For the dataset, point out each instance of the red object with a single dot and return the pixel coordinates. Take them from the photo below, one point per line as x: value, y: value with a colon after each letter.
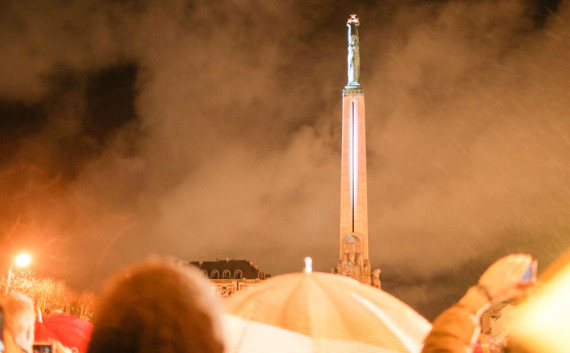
x: 71, y: 331
x: 489, y: 344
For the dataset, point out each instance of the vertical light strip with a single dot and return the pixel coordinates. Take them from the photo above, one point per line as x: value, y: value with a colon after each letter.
x: 356, y: 156
x: 353, y: 159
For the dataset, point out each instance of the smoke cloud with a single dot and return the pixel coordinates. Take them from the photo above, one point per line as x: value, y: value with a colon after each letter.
x: 200, y: 129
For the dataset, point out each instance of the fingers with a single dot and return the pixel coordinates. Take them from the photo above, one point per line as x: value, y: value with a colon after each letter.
x: 502, y: 277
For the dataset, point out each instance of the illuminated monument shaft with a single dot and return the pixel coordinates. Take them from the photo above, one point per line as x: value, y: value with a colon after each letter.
x: 353, y: 257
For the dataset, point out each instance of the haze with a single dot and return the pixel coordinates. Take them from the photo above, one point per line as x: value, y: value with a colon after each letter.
x: 212, y: 129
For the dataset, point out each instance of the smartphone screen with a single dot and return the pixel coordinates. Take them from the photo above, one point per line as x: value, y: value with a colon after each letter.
x: 43, y: 348
x: 530, y: 274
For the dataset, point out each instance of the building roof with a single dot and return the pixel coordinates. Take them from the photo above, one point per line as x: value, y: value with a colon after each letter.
x: 248, y: 269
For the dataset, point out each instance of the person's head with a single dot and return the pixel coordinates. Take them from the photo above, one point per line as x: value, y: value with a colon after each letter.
x: 157, y: 306
x: 18, y: 322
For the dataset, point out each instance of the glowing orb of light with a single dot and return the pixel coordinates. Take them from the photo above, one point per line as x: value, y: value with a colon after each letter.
x: 23, y: 260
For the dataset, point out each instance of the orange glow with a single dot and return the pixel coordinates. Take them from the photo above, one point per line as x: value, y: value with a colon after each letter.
x: 545, y: 317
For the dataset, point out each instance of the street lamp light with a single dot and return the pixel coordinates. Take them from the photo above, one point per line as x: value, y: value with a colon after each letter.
x: 22, y: 260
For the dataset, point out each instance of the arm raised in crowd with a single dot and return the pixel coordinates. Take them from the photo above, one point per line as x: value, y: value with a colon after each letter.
x: 457, y: 328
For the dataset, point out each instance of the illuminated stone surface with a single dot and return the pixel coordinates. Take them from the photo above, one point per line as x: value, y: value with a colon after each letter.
x: 353, y: 257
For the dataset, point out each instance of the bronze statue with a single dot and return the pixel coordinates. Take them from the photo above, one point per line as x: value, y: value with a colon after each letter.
x: 353, y: 51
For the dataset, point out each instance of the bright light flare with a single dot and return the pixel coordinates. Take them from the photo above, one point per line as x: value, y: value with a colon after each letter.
x: 23, y: 260
x: 544, y: 317
x: 308, y: 264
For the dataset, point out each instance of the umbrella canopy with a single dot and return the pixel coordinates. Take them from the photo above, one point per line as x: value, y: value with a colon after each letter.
x: 71, y: 331
x: 321, y: 312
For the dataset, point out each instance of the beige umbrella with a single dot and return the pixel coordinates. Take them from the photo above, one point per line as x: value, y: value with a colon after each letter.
x: 321, y: 312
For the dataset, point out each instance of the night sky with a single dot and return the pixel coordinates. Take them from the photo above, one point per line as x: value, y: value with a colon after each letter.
x: 212, y: 129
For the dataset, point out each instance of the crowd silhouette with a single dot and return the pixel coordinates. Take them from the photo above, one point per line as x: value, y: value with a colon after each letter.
x: 159, y: 306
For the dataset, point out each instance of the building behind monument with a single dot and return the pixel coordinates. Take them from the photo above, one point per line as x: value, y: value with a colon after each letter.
x: 229, y: 276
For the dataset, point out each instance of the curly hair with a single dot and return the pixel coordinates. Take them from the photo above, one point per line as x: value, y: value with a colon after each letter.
x: 157, y: 306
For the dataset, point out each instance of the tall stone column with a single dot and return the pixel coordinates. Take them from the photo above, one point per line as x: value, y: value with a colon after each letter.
x: 353, y: 258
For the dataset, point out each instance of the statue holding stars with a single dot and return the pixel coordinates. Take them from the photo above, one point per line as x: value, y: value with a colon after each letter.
x: 353, y: 52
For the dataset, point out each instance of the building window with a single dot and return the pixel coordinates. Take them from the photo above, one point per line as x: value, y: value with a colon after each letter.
x: 205, y: 273
x: 261, y: 275
x: 238, y: 274
x: 227, y: 274
x: 215, y: 274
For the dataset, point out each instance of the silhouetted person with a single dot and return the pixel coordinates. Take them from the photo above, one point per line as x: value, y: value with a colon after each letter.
x: 157, y: 307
